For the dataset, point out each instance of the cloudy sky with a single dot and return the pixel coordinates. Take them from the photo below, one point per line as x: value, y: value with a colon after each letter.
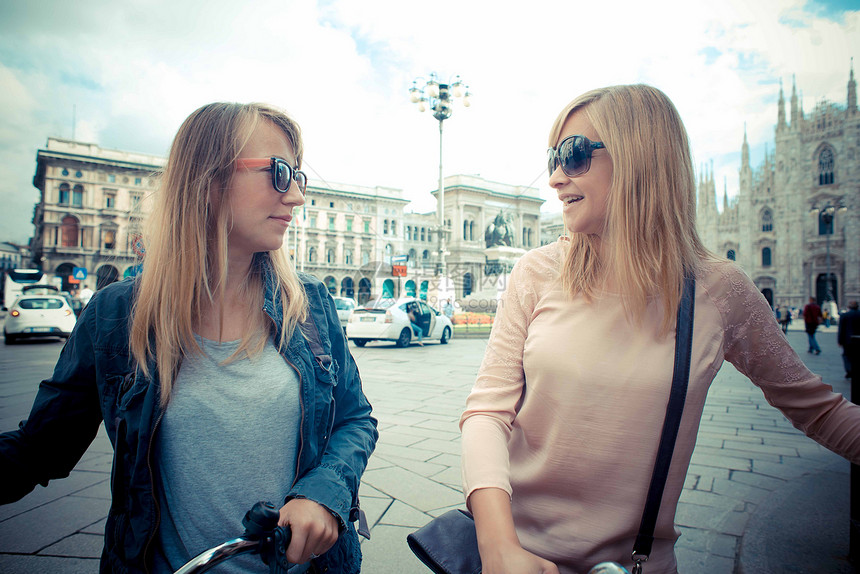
x: 130, y: 72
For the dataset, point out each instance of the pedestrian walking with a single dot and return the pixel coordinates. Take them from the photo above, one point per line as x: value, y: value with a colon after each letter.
x: 849, y: 327
x: 785, y: 319
x: 209, y: 370
x: 812, y: 318
x: 561, y: 429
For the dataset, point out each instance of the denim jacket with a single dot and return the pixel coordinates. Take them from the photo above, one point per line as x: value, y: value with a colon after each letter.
x: 95, y: 380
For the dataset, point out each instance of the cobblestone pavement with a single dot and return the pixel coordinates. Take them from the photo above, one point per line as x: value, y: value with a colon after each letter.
x: 750, y: 470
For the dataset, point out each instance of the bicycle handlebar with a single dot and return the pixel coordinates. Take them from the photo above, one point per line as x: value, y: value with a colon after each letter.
x: 262, y: 536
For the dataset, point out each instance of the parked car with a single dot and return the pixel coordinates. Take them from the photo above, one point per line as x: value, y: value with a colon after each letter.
x: 386, y: 320
x: 344, y: 306
x: 39, y: 316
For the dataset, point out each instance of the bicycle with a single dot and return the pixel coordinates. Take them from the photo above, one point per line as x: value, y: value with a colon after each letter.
x: 262, y: 536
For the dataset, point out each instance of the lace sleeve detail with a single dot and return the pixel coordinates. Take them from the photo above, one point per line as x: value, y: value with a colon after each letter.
x: 492, y: 405
x: 756, y: 346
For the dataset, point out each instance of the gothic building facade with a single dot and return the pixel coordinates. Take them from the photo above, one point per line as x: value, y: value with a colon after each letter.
x: 794, y: 226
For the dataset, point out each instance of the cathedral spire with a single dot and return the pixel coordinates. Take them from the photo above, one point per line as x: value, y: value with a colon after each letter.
x: 725, y: 194
x: 852, y: 91
x: 780, y: 124
x: 745, y: 151
x: 793, y: 103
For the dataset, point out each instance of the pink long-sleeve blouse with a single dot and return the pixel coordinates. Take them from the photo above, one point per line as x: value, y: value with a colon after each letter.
x: 568, y: 406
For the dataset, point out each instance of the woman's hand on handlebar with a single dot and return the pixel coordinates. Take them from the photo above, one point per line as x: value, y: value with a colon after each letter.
x: 314, y: 529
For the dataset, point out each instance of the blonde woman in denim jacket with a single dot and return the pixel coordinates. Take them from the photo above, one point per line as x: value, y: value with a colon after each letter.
x: 209, y: 391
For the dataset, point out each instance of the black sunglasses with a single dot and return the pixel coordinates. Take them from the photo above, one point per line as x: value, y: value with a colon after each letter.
x: 282, y: 172
x: 574, y: 155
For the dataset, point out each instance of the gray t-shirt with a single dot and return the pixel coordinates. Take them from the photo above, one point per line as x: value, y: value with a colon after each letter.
x: 228, y: 439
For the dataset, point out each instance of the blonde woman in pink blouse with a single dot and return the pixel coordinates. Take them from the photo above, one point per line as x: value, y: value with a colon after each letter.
x: 562, y: 426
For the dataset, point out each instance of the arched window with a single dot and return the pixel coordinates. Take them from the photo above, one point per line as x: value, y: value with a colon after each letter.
x: 388, y: 289
x: 347, y: 256
x: 63, y: 199
x: 425, y: 255
x: 363, y: 290
x: 329, y: 256
x: 467, y: 284
x: 346, y: 287
x: 109, y: 238
x: 471, y: 231
x: 78, y: 196
x: 331, y: 285
x: 422, y: 234
x: 825, y: 166
x: 765, y: 257
x: 312, y: 254
x: 825, y: 223
x: 412, y: 256
x: 408, y: 233
x: 465, y: 230
x: 730, y: 255
x: 385, y: 227
x: 767, y: 220
x: 394, y: 227
x: 70, y: 232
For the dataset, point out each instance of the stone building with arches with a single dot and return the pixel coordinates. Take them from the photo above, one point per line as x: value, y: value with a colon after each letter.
x: 471, y: 204
x: 93, y: 202
x: 350, y: 236
x: 346, y: 235
x: 91, y: 207
x: 775, y: 228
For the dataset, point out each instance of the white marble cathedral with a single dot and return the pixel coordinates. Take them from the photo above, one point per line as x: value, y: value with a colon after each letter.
x: 779, y: 228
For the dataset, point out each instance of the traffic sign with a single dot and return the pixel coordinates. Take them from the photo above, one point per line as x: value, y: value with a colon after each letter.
x: 399, y: 258
x: 79, y: 273
x: 398, y: 270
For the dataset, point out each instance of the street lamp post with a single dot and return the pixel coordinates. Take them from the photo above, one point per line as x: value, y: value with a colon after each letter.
x: 827, y: 213
x: 440, y: 98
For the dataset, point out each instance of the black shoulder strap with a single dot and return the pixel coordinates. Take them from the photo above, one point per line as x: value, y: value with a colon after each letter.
x: 674, y: 410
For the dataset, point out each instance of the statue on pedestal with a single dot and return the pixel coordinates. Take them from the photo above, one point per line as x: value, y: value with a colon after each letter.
x: 499, y: 232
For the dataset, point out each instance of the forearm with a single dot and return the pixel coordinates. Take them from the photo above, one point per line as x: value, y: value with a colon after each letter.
x: 494, y: 521
x: 498, y: 544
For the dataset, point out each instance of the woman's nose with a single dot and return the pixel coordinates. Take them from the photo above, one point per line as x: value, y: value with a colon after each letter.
x: 293, y: 195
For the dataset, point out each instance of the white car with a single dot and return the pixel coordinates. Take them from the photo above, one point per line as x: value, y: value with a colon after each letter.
x: 39, y: 316
x: 386, y: 320
x: 344, y: 306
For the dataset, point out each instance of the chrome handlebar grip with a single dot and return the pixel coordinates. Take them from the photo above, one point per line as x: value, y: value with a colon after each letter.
x: 212, y: 557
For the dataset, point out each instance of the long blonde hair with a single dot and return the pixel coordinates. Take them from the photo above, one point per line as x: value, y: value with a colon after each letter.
x: 185, y: 237
x: 650, y: 236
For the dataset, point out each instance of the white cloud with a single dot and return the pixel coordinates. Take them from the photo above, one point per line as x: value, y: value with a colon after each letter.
x: 343, y: 68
